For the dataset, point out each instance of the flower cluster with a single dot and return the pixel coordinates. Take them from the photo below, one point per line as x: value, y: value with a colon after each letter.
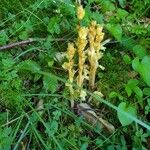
x: 88, y: 46
x: 81, y: 44
x: 94, y: 54
x: 69, y: 66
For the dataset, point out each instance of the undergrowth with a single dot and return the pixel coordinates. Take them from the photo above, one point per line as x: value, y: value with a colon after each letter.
x: 35, y: 110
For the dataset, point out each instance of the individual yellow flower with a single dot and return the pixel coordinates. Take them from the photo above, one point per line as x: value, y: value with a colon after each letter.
x: 80, y: 12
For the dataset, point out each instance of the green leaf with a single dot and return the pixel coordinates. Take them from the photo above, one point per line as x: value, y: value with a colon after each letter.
x: 136, y: 64
x: 3, y: 37
x: 121, y: 13
x: 98, y: 17
x: 148, y: 101
x: 23, y: 35
x: 132, y: 83
x: 122, y: 3
x: 139, y: 51
x: 107, y: 5
x: 131, y: 86
x: 113, y: 95
x: 146, y: 91
x: 128, y: 90
x: 143, y: 68
x: 50, y: 83
x: 53, y: 26
x: 127, y: 59
x: 115, y: 30
x: 124, y: 120
x: 138, y: 91
x: 29, y: 65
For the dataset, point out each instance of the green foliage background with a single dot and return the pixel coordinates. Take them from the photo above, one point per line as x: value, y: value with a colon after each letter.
x: 33, y: 73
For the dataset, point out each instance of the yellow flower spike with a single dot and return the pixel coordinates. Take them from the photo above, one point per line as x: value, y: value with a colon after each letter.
x: 81, y: 43
x: 69, y: 66
x: 95, y: 37
x: 80, y: 12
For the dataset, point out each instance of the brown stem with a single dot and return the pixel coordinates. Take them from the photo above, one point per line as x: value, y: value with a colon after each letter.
x: 21, y: 43
x: 25, y: 42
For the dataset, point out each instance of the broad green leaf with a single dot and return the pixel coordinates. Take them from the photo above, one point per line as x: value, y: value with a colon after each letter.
x: 136, y: 64
x: 139, y: 51
x: 124, y: 120
x: 128, y: 90
x: 29, y: 65
x: 143, y: 68
x: 138, y: 91
x: 131, y: 86
x: 146, y: 91
x: 133, y: 82
x: 145, y: 72
x: 115, y: 30
x: 50, y: 83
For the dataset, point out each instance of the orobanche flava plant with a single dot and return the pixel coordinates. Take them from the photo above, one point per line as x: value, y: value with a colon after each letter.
x: 89, y: 50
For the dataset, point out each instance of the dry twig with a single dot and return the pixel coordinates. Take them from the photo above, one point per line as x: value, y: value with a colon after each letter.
x: 26, y: 42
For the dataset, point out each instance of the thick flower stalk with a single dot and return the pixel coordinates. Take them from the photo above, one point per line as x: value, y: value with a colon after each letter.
x: 69, y: 66
x: 95, y: 37
x: 81, y: 44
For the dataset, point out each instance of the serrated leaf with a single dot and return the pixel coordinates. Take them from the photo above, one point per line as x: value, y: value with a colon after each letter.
x: 50, y: 83
x: 124, y: 119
